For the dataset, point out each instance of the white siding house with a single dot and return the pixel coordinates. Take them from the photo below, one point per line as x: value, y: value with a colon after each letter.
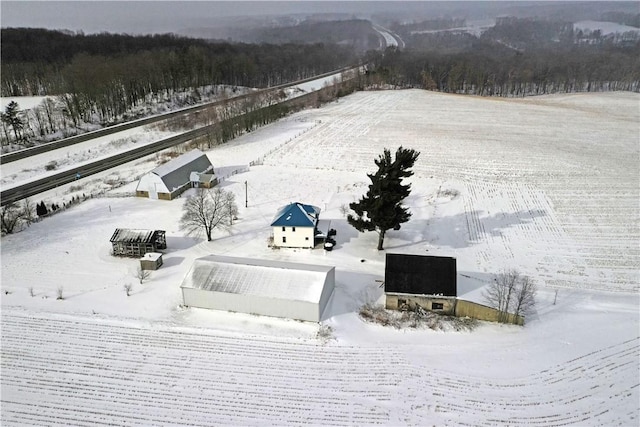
x: 268, y: 288
x: 169, y: 180
x: 297, y: 225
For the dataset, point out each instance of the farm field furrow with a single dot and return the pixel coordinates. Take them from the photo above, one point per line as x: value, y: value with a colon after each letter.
x: 327, y: 385
x: 565, y: 196
x: 545, y: 185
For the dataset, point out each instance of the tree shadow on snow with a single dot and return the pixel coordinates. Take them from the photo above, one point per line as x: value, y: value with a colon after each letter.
x: 178, y: 243
x: 459, y: 231
x: 344, y: 232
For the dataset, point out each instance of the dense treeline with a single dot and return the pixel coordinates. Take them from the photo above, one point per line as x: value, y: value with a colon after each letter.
x: 517, y: 57
x: 429, y: 25
x: 631, y: 19
x: 54, y: 47
x: 517, y: 74
x: 106, y: 74
x: 236, y: 116
x: 530, y: 33
x: 357, y: 34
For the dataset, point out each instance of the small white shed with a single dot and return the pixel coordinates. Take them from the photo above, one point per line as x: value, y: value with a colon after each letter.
x: 151, y: 261
x: 268, y: 288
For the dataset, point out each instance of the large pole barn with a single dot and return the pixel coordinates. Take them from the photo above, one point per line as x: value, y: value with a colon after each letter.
x: 263, y: 287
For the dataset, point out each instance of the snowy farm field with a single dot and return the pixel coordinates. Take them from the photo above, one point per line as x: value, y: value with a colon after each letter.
x: 548, y: 185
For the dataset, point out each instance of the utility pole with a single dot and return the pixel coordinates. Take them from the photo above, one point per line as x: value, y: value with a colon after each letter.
x: 246, y: 195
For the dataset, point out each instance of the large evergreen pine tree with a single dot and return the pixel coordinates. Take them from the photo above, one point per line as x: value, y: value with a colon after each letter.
x: 12, y: 118
x: 381, y: 208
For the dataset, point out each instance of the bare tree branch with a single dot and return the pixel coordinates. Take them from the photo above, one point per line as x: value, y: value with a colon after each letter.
x: 511, y: 294
x: 142, y: 275
x: 207, y: 210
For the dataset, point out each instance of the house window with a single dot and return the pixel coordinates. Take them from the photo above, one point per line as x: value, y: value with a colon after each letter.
x: 293, y: 229
x: 282, y: 228
x: 284, y: 239
x: 437, y: 306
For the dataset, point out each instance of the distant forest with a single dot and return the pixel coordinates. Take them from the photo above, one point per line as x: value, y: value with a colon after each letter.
x: 516, y: 57
x: 102, y: 78
x: 111, y: 73
x: 358, y: 34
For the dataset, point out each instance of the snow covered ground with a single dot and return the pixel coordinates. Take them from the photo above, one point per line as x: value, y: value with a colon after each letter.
x: 548, y: 185
x: 604, y: 27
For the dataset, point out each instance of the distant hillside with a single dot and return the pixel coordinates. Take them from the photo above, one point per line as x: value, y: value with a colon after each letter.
x: 356, y: 33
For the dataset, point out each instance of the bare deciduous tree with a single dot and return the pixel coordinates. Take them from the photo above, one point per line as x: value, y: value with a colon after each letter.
x: 60, y: 292
x: 230, y: 202
x: 141, y: 275
x: 524, y: 297
x: 128, y: 286
x: 10, y: 216
x: 512, y: 294
x: 207, y: 210
x: 28, y: 211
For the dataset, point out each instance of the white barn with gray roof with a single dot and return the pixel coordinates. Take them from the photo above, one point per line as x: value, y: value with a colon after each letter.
x: 170, y: 179
x: 263, y: 287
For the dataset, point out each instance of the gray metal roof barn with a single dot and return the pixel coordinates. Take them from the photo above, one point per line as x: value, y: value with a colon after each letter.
x: 268, y: 288
x: 169, y: 180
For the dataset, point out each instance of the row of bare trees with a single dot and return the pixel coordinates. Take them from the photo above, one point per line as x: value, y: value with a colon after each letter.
x: 510, y: 73
x: 111, y: 78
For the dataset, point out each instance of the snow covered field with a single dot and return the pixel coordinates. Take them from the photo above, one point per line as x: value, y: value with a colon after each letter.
x: 548, y: 185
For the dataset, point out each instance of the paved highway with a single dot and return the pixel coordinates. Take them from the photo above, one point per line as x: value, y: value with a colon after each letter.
x: 38, y: 185
x: 42, y: 148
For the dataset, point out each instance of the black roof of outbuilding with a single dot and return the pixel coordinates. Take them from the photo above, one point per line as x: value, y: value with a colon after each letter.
x: 420, y: 275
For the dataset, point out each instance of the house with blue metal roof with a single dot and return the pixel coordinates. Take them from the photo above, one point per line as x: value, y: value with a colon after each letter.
x: 297, y: 225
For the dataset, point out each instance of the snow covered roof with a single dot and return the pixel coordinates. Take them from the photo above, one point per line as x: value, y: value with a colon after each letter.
x: 176, y: 172
x: 274, y: 279
x: 134, y: 235
x: 296, y: 215
x: 151, y: 256
x: 202, y: 177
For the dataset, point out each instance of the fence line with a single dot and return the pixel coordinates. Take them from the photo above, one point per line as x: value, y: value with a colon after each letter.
x: 260, y: 160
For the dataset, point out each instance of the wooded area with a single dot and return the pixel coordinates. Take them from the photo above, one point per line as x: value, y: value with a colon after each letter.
x: 516, y: 57
x: 103, y: 79
x: 107, y: 74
